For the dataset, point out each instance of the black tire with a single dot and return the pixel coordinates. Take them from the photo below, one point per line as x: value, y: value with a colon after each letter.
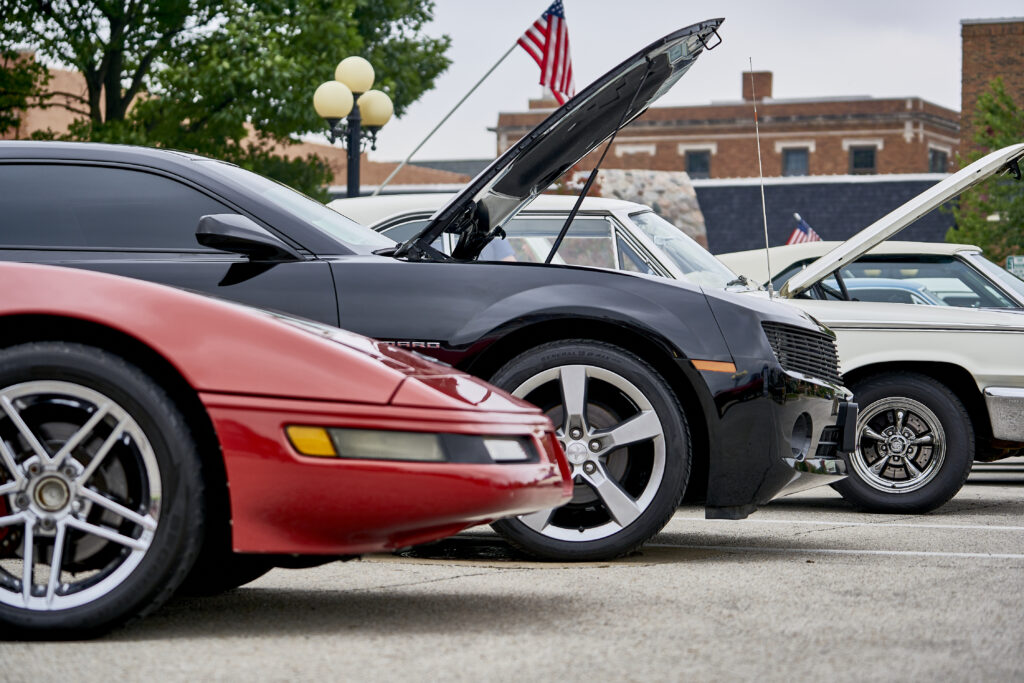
x: 151, y: 470
x: 619, y: 387
x: 918, y: 476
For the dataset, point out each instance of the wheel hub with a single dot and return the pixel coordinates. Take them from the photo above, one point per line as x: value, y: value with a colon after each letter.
x: 576, y: 452
x: 51, y: 493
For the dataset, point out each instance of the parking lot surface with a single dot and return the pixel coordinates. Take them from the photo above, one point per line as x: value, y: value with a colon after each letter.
x: 807, y: 588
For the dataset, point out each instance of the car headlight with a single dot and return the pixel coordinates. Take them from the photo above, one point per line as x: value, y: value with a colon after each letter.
x: 374, y: 444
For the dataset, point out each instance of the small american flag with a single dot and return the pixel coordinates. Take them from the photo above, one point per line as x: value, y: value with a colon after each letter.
x: 547, y: 41
x: 802, y: 232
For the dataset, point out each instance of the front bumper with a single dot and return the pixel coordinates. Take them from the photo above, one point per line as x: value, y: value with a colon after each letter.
x: 286, y: 503
x: 777, y: 433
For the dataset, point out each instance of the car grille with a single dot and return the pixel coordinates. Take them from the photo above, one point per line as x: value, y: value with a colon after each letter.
x: 805, y: 351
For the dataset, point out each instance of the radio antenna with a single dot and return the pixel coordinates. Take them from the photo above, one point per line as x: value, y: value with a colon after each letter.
x: 760, y: 173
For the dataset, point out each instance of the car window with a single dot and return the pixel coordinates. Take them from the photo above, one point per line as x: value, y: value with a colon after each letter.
x: 588, y: 242
x: 1000, y: 275
x: 405, y: 231
x: 695, y: 262
x: 80, y: 207
x: 950, y: 280
x: 353, y: 235
x: 630, y: 260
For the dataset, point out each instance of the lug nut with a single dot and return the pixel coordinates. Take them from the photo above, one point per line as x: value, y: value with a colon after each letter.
x: 69, y: 472
x: 47, y: 523
x: 589, y: 467
x: 76, y: 506
x: 595, y: 445
x: 575, y: 433
x: 34, y: 469
x: 21, y: 500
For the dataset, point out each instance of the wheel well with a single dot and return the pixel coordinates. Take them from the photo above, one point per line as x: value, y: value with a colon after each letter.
x: 959, y: 381
x: 21, y: 329
x: 653, y: 350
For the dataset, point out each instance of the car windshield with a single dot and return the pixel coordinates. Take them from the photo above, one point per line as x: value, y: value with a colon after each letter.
x: 343, y: 229
x: 695, y: 262
x: 1002, y: 277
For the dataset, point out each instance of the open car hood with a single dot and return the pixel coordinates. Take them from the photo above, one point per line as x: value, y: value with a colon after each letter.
x: 1004, y: 161
x: 570, y: 133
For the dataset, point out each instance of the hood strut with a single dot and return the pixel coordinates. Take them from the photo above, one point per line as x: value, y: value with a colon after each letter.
x: 593, y: 173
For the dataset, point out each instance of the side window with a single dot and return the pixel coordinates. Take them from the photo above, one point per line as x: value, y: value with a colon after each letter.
x: 405, y: 231
x: 76, y: 207
x: 950, y: 281
x: 587, y: 243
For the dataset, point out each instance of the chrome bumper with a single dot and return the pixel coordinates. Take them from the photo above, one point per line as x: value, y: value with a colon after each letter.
x: 1006, y: 412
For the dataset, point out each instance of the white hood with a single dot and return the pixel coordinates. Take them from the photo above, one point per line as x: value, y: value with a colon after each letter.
x: 1004, y: 160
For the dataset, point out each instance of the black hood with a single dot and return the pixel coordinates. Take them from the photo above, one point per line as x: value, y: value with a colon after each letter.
x: 570, y: 133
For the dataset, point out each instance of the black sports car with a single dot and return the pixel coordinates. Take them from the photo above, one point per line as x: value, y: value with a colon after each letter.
x: 659, y: 387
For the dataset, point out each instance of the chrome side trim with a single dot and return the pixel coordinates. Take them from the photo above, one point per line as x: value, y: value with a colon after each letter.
x: 1006, y: 411
x: 912, y: 326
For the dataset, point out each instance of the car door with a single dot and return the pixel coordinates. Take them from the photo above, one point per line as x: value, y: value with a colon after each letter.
x: 141, y: 223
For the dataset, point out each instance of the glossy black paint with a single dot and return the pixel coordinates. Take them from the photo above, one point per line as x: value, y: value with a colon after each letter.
x: 474, y: 315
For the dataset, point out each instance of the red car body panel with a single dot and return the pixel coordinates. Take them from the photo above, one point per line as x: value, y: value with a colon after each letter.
x: 256, y: 374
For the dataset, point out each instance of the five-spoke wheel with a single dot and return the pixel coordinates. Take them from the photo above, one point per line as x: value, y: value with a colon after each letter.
x: 625, y: 438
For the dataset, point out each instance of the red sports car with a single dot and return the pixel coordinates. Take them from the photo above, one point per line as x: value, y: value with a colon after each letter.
x: 152, y: 439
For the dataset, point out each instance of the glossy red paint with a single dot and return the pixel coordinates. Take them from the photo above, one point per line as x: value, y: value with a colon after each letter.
x: 256, y: 372
x: 284, y: 502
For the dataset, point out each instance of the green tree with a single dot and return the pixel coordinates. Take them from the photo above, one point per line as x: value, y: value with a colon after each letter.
x: 992, y: 215
x: 232, y: 79
x: 22, y: 80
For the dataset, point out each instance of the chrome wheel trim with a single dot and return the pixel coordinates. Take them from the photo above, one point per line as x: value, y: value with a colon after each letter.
x: 593, y: 465
x: 44, y: 590
x: 912, y: 442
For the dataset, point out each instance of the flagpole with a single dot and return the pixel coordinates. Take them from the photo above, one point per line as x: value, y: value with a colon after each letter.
x: 441, y: 123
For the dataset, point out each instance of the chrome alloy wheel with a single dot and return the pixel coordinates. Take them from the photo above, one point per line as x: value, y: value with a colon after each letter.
x: 901, y: 445
x: 615, y: 445
x: 81, y: 493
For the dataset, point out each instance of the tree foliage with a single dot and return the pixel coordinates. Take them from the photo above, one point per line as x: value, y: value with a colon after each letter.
x: 22, y: 80
x: 992, y: 215
x: 232, y: 79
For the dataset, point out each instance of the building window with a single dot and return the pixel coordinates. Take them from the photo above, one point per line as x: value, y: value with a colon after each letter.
x: 862, y: 160
x: 794, y: 161
x: 938, y: 161
x: 698, y: 163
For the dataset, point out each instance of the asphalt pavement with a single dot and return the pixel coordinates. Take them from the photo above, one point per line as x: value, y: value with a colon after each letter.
x: 805, y: 589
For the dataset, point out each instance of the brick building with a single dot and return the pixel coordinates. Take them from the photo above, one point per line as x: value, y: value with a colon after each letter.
x: 991, y: 48
x: 824, y: 136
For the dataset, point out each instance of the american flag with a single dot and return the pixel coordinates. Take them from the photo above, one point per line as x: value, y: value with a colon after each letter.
x: 547, y: 41
x: 802, y: 232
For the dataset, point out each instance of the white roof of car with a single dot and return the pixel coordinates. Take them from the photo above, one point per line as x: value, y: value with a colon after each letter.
x: 752, y: 263
x: 373, y: 210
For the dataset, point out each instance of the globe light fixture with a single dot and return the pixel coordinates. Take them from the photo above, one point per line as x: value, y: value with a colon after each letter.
x: 353, y: 125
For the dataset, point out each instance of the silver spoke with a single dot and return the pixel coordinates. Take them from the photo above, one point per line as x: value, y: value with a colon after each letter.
x: 97, y: 459
x: 11, y: 520
x: 23, y: 429
x: 900, y: 415
x: 926, y: 439
x: 912, y: 467
x: 118, y: 509
x: 80, y: 435
x: 872, y: 434
x: 620, y: 505
x: 880, y: 465
x: 10, y: 487
x: 8, y: 460
x: 28, y: 561
x: 108, y: 534
x: 538, y: 521
x: 641, y: 427
x: 572, y: 380
x: 58, y: 558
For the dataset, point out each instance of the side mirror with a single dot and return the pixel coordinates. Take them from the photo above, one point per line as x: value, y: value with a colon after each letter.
x: 241, y: 235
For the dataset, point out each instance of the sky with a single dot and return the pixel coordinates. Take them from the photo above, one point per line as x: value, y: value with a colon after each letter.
x: 894, y: 48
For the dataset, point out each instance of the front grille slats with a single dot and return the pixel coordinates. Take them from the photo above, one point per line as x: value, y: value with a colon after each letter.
x: 805, y: 351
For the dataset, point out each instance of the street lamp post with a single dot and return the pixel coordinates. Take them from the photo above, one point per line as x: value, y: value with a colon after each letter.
x: 353, y: 125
